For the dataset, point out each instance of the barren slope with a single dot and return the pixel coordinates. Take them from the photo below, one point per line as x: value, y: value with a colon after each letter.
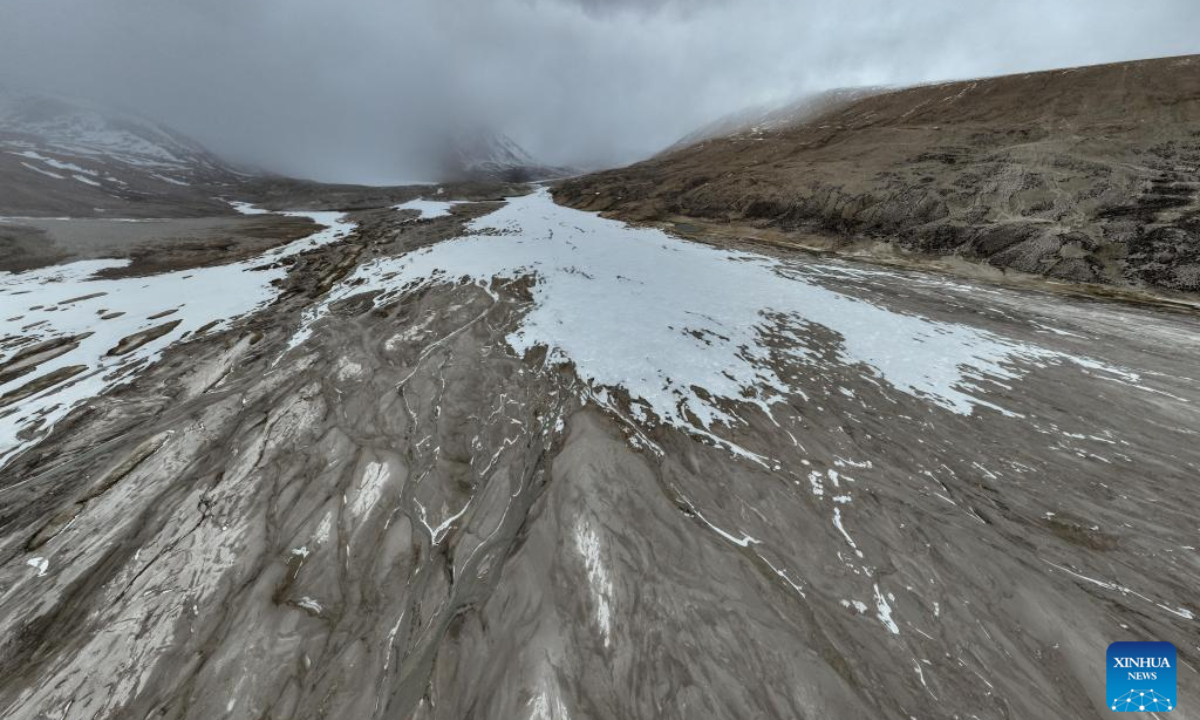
x: 1089, y: 174
x: 517, y: 461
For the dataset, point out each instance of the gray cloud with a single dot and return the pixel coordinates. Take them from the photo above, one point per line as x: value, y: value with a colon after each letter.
x: 355, y: 91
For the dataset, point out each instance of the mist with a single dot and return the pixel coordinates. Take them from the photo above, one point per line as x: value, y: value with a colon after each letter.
x: 365, y: 91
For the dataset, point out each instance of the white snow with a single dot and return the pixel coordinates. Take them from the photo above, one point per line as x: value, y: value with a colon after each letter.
x: 172, y: 181
x: 56, y: 164
x: 883, y: 611
x: 324, y: 529
x: 837, y: 523
x: 336, y: 224
x: 40, y: 564
x: 588, y: 545
x: 48, y: 303
x: 743, y: 541
x: 437, y: 533
x: 547, y: 705
x: 683, y: 327
x: 858, y: 605
x: 37, y: 169
x: 1179, y: 611
x: 814, y: 479
x: 309, y: 604
x: 662, y: 317
x: 246, y: 208
x: 78, y: 128
x: 349, y: 370
x: 428, y: 209
x: 370, y: 488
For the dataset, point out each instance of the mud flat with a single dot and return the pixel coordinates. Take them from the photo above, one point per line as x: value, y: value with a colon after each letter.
x: 516, y: 460
x: 153, y: 245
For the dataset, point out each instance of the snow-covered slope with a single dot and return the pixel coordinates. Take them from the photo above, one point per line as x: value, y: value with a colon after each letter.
x: 63, y: 156
x: 74, y: 322
x: 79, y: 128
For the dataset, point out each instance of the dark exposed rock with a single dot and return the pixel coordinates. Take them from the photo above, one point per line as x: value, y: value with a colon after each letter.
x: 39, y: 384
x: 133, y: 342
x: 27, y: 360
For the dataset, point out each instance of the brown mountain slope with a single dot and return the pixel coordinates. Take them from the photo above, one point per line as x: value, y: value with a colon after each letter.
x: 1089, y: 174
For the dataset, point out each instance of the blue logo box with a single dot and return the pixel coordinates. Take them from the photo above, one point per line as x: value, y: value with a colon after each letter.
x: 1141, y: 677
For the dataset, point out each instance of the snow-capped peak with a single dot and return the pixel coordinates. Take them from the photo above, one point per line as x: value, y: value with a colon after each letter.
x: 71, y: 127
x: 490, y: 155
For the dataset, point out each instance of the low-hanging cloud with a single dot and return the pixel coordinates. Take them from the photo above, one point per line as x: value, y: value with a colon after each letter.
x: 358, y: 91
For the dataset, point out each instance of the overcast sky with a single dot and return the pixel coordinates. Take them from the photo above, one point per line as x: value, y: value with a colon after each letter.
x: 351, y: 89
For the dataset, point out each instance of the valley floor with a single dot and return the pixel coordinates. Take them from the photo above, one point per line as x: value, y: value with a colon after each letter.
x: 514, y: 460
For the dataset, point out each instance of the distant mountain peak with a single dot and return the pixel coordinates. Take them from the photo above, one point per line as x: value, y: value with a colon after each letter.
x: 65, y: 156
x: 489, y: 155
x: 80, y: 128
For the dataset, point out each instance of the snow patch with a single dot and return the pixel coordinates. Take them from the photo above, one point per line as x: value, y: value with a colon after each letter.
x: 370, y: 488
x: 684, y: 327
x: 56, y: 164
x: 246, y: 208
x: 348, y: 370
x: 310, y: 605
x: 547, y: 705
x: 837, y: 522
x: 324, y: 529
x: 428, y: 209
x: 858, y: 605
x: 588, y: 545
x: 883, y: 611
x: 437, y: 533
x: 40, y: 564
x: 67, y: 300
x: 170, y: 180
x: 37, y: 169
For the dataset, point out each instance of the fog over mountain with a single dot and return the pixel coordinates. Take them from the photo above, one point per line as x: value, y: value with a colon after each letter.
x: 370, y: 91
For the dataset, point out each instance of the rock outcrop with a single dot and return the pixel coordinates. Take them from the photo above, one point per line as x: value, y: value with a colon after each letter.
x: 1088, y: 175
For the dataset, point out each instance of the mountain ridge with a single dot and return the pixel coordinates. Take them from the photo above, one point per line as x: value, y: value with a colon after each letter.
x: 771, y: 116
x: 492, y: 156
x: 1088, y: 175
x: 63, y: 156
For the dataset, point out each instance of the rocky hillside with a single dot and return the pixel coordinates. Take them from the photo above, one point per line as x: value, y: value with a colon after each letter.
x: 61, y: 156
x: 1087, y: 174
x: 755, y: 121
